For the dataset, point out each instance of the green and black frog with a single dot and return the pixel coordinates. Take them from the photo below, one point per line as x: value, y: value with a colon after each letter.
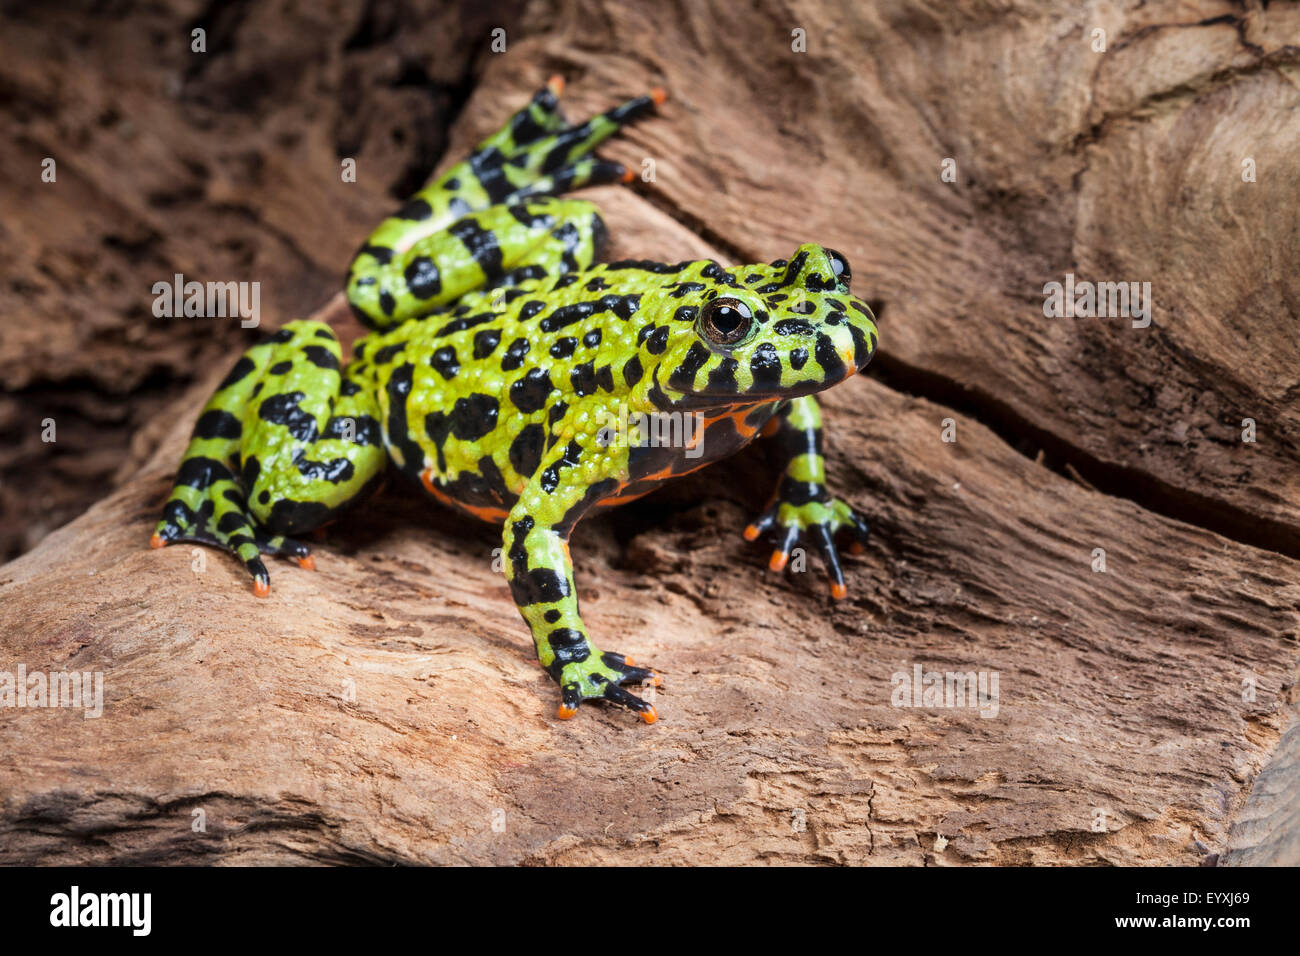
x: 502, y: 351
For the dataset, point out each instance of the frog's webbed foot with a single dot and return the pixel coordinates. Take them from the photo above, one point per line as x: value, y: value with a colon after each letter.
x: 811, y: 517
x: 241, y: 537
x: 598, y: 677
x: 538, y: 153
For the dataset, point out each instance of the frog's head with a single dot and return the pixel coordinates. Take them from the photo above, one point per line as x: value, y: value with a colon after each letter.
x: 753, y: 333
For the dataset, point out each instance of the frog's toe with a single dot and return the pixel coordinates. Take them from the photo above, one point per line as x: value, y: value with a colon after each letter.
x: 288, y: 547
x: 617, y: 695
x: 823, y: 539
x: 261, y: 579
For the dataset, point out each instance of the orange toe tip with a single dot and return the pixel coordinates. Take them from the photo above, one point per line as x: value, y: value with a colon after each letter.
x: 307, y: 562
x: 157, y: 541
x: 629, y: 662
x: 839, y: 591
x: 262, y: 588
x: 856, y: 548
x: 778, y: 560
x: 656, y: 681
x: 566, y: 712
x: 751, y: 533
x: 649, y: 715
x: 628, y: 176
x: 555, y: 84
x: 659, y: 95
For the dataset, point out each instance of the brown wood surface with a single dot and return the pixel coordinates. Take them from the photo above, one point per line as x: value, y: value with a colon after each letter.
x: 1146, y: 712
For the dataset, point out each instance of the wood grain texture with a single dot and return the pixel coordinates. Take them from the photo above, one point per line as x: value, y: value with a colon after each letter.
x: 1145, y: 713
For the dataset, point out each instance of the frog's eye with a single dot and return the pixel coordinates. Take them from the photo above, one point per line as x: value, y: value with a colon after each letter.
x: 725, y: 321
x: 840, y: 266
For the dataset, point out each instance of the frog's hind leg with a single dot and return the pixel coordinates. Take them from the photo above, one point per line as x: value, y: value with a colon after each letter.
x: 456, y: 234
x: 286, y: 441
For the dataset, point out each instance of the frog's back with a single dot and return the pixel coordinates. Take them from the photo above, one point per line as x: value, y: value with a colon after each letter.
x: 473, y: 395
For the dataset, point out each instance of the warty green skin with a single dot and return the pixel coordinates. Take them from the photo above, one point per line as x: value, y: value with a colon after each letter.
x: 501, y: 356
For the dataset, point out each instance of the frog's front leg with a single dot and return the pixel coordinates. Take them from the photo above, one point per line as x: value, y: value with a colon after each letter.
x: 802, y: 508
x: 540, y: 572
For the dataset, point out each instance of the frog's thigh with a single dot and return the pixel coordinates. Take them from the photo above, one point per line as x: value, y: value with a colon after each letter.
x: 310, y: 445
x: 502, y: 244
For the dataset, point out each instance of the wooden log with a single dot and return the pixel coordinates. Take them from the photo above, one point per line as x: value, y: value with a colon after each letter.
x: 388, y: 709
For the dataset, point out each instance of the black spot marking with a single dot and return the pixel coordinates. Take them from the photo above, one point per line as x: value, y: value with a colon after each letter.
x: 231, y: 522
x: 723, y: 378
x: 321, y: 357
x: 765, y: 366
x: 474, y: 416
x: 829, y: 359
x: 217, y: 424
x: 422, y: 278
x: 237, y: 373
x: 583, y: 379
x: 538, y: 586
x: 445, y: 362
x: 550, y: 479
x: 514, y: 356
x: 792, y: 327
x: 381, y: 254
x: 334, y: 471
x: 200, y: 473
x: 567, y: 315
x: 252, y: 468
x: 862, y: 349
x: 657, y: 341
x: 416, y: 210
x: 399, y: 438
x: 570, y: 647
x: 683, y: 376
x: 486, y: 342
x: 460, y: 325
x: 526, y: 449
x: 526, y: 216
x: 529, y: 393
x: 794, y: 268
x: 283, y: 409
x: 563, y: 348
x: 289, y: 517
x: 365, y: 429
x: 482, y: 245
x: 387, y: 353
x: 632, y: 371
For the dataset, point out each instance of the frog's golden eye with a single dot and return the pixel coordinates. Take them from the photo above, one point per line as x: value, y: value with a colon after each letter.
x: 725, y: 321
